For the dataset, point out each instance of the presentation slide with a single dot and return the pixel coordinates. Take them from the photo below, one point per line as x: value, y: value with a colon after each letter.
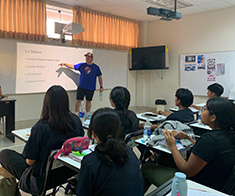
x: 38, y: 67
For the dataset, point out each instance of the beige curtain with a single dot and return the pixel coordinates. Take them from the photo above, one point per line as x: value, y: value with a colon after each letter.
x: 23, y: 19
x: 105, y: 30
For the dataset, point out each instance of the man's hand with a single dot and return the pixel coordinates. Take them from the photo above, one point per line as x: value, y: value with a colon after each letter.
x: 61, y: 64
x: 101, y: 89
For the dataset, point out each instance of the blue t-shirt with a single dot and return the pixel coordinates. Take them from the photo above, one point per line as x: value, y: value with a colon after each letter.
x: 88, y: 75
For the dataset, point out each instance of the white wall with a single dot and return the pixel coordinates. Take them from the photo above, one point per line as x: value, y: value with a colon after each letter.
x: 204, y: 32
x: 29, y: 106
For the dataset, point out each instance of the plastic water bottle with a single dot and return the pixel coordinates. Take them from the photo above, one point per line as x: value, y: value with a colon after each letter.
x: 147, y: 130
x: 179, y: 185
x: 101, y: 96
x: 199, y: 116
x: 82, y: 112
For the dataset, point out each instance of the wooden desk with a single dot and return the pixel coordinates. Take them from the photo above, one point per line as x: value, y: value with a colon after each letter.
x: 7, y: 109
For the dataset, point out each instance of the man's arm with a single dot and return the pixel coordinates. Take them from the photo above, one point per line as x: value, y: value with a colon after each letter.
x: 101, y: 83
x: 67, y: 65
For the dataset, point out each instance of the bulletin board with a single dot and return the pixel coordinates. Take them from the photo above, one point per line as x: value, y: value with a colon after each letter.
x: 197, y: 71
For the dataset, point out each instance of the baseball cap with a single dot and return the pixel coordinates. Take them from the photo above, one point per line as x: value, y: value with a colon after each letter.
x: 89, y: 54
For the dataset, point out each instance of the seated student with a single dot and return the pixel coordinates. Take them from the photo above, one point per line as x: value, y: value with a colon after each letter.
x: 112, y: 169
x: 183, y: 99
x: 213, y: 155
x: 1, y: 95
x: 213, y: 90
x: 120, y: 100
x: 57, y: 124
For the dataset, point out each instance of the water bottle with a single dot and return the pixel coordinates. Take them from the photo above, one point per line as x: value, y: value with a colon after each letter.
x: 179, y: 185
x: 199, y: 116
x: 101, y: 96
x: 82, y: 112
x: 147, y: 130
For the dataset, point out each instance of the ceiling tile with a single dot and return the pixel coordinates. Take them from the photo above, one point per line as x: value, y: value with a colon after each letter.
x: 191, y: 10
x: 232, y: 2
x: 137, y: 9
x: 198, y: 2
x: 215, y: 5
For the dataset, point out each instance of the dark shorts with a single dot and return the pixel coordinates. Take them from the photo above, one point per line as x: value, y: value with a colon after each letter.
x: 84, y: 92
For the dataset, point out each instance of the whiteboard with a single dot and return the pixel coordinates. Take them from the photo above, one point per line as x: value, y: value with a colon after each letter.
x: 197, y: 71
x: 21, y: 75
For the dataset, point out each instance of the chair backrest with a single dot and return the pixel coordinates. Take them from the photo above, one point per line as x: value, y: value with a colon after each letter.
x: 131, y: 137
x: 229, y: 186
x: 51, y: 165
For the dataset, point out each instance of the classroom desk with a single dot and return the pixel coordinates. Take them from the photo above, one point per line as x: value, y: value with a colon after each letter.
x: 71, y: 163
x: 202, y: 190
x: 22, y: 134
x: 180, y: 147
x: 200, y: 126
x: 7, y: 109
x: 153, y: 118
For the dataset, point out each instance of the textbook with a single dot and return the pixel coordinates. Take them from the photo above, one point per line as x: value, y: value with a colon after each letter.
x: 77, y: 156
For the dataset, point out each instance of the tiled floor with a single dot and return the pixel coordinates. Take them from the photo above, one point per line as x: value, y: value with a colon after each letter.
x: 19, y: 145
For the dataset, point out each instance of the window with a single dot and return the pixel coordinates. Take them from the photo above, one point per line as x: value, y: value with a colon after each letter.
x: 57, y: 14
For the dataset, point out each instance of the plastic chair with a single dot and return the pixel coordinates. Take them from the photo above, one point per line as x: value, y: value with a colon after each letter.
x: 229, y: 186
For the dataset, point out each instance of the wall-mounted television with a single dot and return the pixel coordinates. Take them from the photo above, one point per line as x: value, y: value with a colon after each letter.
x: 145, y: 58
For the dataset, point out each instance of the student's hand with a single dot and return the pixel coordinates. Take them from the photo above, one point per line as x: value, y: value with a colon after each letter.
x: 181, y: 135
x: 169, y: 137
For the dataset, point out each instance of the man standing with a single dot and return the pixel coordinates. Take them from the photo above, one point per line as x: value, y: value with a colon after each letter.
x: 89, y: 71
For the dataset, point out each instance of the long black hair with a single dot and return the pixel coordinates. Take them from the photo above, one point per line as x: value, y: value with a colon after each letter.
x: 121, y: 98
x: 106, y: 125
x: 224, y: 111
x: 55, y: 110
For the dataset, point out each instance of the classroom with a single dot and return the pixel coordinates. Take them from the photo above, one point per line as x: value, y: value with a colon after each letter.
x: 206, y: 27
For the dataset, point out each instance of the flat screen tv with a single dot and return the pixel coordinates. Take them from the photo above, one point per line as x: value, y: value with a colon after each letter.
x: 145, y: 58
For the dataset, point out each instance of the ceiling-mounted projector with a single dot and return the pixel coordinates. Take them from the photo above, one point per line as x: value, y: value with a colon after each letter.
x: 68, y: 29
x: 164, y: 13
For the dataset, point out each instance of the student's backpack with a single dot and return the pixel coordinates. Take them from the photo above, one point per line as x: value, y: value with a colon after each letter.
x: 8, y: 187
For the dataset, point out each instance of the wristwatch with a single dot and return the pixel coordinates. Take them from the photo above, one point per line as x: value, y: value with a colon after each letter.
x: 101, y: 86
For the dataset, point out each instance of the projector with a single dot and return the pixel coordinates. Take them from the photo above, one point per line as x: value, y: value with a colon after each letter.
x: 72, y: 28
x: 164, y: 13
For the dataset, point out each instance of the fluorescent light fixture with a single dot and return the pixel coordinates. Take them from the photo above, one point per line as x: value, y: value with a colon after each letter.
x: 170, y: 3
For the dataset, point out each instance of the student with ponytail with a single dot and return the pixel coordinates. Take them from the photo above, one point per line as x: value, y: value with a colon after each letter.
x: 112, y: 169
x: 120, y: 100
